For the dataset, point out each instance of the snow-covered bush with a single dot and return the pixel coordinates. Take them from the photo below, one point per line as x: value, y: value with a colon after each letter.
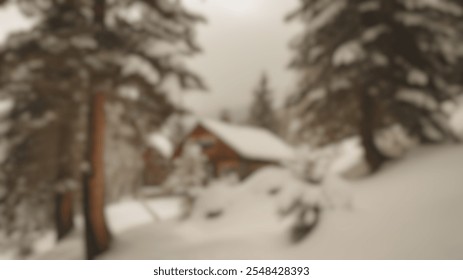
x: 312, y: 164
x: 189, y: 174
x: 270, y: 198
x: 31, y: 213
x: 123, y: 162
x: 394, y: 141
x: 189, y: 170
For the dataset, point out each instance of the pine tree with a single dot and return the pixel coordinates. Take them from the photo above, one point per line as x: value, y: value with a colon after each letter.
x: 189, y: 174
x: 189, y: 170
x: 261, y: 112
x: 366, y: 65
x: 88, y: 53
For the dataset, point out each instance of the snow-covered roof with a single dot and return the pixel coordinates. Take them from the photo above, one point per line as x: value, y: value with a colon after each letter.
x: 250, y: 142
x: 161, y: 143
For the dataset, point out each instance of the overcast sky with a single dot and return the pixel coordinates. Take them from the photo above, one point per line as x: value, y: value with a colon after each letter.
x: 242, y: 39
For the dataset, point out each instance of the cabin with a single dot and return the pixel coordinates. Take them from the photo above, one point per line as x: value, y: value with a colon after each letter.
x: 157, y: 160
x: 237, y: 149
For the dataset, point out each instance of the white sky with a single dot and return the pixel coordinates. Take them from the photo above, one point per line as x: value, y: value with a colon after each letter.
x: 242, y: 39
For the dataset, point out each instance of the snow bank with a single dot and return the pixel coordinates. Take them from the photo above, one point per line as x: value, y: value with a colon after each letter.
x: 410, y: 210
x: 127, y: 214
x: 122, y: 217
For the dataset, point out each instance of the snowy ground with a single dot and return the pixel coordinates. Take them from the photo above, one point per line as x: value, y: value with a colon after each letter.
x: 410, y: 210
x: 122, y: 216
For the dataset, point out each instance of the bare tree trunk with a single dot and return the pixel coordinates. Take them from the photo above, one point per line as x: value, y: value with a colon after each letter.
x: 373, y: 156
x: 97, y: 235
x: 64, y: 214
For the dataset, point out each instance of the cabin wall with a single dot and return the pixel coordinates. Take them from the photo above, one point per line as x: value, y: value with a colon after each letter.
x: 223, y: 159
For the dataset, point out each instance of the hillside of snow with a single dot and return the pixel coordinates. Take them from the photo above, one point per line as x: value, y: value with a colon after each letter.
x: 410, y: 210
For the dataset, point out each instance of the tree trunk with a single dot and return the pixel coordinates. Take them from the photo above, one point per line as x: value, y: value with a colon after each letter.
x: 373, y: 156
x: 67, y: 170
x: 64, y: 214
x: 97, y: 235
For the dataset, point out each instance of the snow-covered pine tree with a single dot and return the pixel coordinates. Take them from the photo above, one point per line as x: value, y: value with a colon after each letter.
x: 189, y: 174
x: 189, y: 170
x: 86, y: 53
x: 368, y: 64
x: 42, y: 159
x: 261, y: 112
x: 175, y: 129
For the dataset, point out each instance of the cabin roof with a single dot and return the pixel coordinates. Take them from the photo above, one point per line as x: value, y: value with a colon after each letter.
x: 250, y: 142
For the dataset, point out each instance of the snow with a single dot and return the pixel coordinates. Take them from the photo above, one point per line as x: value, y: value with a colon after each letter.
x: 410, y: 210
x: 348, y: 53
x: 190, y: 170
x: 456, y: 120
x: 165, y: 208
x: 122, y: 217
x: 417, y: 98
x: 134, y: 65
x: 417, y: 77
x: 84, y: 42
x: 131, y: 213
x: 379, y: 59
x: 440, y: 5
x: 162, y: 144
x: 5, y: 106
x: 275, y: 187
x: 370, y: 6
x: 127, y: 214
x: 313, y: 96
x: 250, y: 142
x: 373, y: 33
x: 13, y: 21
x: 317, y: 21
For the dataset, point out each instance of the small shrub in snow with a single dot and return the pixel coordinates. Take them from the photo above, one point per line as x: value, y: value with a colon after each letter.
x: 308, y: 217
x: 214, y: 214
x: 311, y: 165
x: 274, y: 191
